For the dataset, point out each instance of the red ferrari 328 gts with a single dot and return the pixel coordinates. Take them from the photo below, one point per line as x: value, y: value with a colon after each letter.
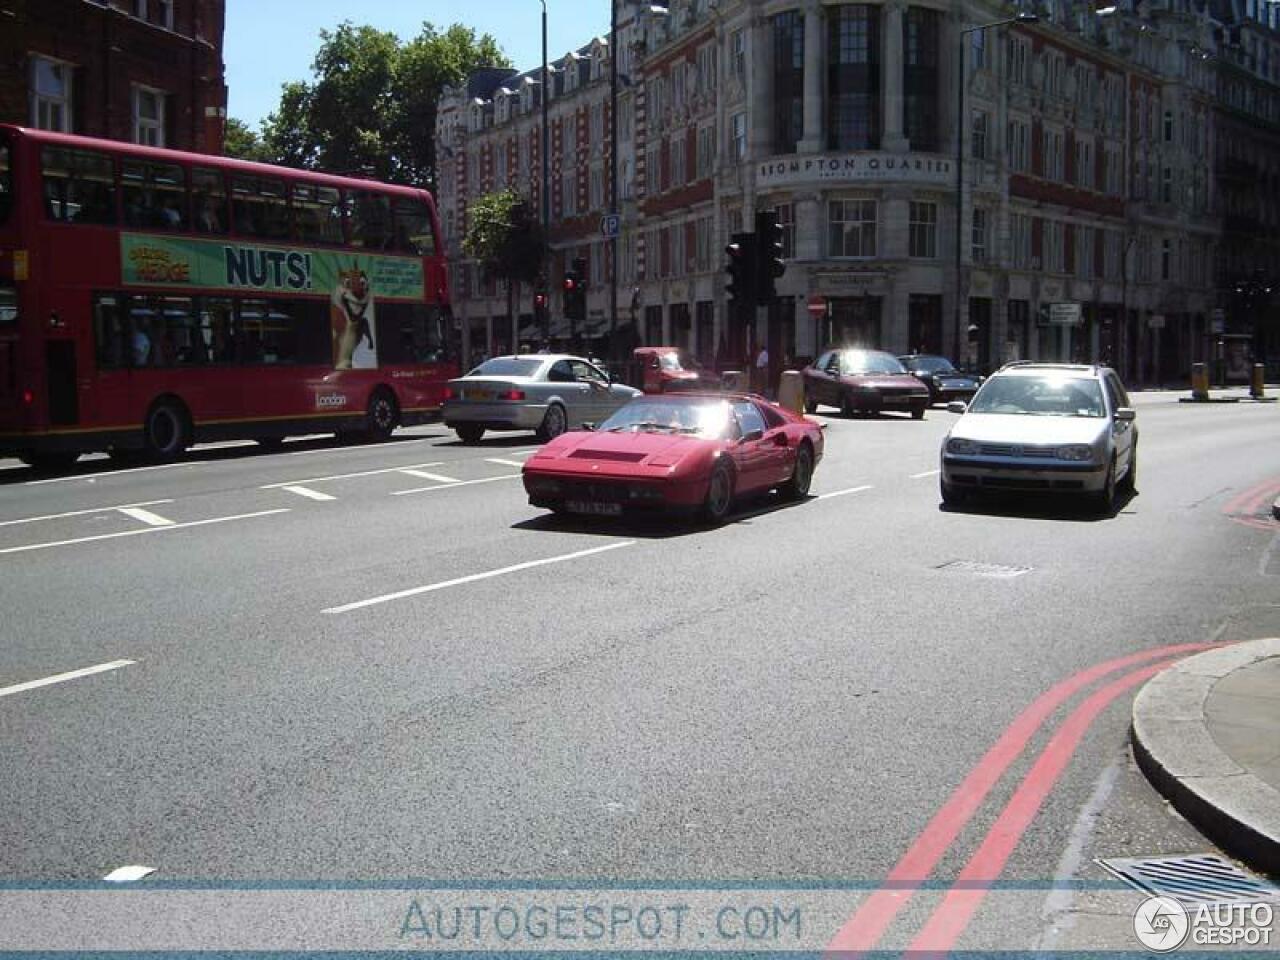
x: 680, y: 452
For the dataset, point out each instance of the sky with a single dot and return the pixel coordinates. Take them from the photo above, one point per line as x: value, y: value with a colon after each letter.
x: 270, y: 42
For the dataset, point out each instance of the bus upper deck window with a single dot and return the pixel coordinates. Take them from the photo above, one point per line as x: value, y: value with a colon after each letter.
x: 79, y: 186
x: 413, y: 233
x: 261, y: 207
x: 208, y: 201
x: 317, y: 214
x: 369, y: 220
x: 154, y: 195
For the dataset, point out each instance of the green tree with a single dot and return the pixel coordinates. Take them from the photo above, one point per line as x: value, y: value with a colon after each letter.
x: 371, y: 105
x: 241, y: 142
x: 505, y: 238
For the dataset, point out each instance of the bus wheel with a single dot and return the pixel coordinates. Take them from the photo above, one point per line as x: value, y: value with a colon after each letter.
x: 49, y: 461
x: 382, y: 416
x: 165, y: 433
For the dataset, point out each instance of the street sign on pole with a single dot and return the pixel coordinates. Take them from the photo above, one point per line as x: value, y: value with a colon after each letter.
x: 818, y: 305
x: 1065, y: 314
x: 610, y: 225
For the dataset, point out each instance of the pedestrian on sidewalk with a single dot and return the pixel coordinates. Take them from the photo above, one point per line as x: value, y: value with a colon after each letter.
x: 762, y: 370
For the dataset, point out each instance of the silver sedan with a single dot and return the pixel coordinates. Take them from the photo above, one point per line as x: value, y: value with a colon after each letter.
x: 546, y: 393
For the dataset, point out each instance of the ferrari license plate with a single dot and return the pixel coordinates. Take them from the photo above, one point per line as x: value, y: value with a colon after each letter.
x: 595, y: 509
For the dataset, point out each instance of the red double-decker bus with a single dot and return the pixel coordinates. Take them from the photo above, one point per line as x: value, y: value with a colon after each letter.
x: 150, y: 299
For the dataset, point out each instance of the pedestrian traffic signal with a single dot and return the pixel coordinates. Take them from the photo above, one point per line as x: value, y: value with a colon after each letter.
x: 769, y: 262
x: 575, y: 291
x: 741, y: 268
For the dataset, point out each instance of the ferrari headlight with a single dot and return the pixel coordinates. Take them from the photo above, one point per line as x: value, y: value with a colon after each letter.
x: 1075, y: 451
x: 962, y: 446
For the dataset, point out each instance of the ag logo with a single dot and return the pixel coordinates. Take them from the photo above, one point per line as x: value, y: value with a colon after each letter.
x: 1161, y: 924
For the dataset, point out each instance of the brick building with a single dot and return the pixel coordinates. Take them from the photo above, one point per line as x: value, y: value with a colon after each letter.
x: 147, y: 71
x: 1094, y: 173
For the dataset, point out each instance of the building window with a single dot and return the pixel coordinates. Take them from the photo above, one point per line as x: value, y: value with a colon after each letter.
x: 1166, y: 260
x: 920, y: 77
x: 1112, y: 254
x: 1020, y: 239
x: 1017, y: 146
x: 1016, y: 55
x: 1084, y: 251
x: 923, y: 240
x: 597, y: 188
x: 148, y: 116
x: 978, y: 50
x: 784, y: 214
x: 569, y: 139
x: 569, y: 194
x: 679, y: 171
x: 50, y: 94
x: 853, y: 78
x: 702, y: 243
x: 1168, y: 126
x: 1084, y: 164
x: 788, y: 81
x: 705, y: 160
x: 738, y: 55
x: 978, y: 137
x: 979, y: 235
x: 1054, y: 247
x: 1166, y: 185
x: 852, y: 228
x: 738, y: 135
x: 1053, y: 160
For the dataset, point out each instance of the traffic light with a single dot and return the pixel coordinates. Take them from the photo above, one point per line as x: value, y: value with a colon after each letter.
x: 769, y: 263
x: 540, y: 312
x: 575, y: 291
x: 741, y: 268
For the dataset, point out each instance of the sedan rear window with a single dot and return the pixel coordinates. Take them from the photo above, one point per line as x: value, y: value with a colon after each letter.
x: 508, y: 367
x: 1040, y: 396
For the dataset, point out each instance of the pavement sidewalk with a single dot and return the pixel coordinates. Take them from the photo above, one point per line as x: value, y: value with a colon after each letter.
x: 1207, y: 734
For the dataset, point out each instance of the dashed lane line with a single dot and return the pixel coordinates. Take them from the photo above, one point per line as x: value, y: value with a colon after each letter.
x: 927, y: 473
x: 504, y: 463
x: 64, y: 677
x: 841, y: 493
x: 488, y: 574
x: 348, y: 476
x: 361, y: 448
x: 451, y: 486
x: 433, y: 477
x: 308, y: 492
x: 146, y: 516
x: 135, y: 533
x: 81, y: 513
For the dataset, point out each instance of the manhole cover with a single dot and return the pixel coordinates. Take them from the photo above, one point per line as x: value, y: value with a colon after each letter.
x: 996, y: 570
x: 1191, y: 880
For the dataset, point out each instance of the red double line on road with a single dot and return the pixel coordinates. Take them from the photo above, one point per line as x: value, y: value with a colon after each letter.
x: 874, y: 916
x: 1247, y: 506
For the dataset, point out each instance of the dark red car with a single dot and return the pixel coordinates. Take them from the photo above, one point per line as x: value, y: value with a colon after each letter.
x: 863, y: 381
x: 666, y: 369
x: 680, y: 452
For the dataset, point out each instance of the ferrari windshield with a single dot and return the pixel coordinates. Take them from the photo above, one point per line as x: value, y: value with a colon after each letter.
x: 703, y: 417
x: 1049, y: 396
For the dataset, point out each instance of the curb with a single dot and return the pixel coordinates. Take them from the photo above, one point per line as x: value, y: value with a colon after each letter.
x: 1174, y: 748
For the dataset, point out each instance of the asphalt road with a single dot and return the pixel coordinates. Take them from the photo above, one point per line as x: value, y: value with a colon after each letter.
x: 791, y: 697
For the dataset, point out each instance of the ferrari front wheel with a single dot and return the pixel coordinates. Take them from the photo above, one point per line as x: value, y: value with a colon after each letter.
x: 797, y: 488
x: 719, y: 494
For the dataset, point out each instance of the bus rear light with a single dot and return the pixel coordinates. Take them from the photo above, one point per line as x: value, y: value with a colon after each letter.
x: 28, y: 398
x: 512, y: 395
x: 449, y: 394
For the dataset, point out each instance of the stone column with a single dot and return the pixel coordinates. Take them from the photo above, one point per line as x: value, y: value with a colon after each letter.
x: 891, y: 102
x: 814, y: 63
x: 760, y: 88
x: 809, y: 229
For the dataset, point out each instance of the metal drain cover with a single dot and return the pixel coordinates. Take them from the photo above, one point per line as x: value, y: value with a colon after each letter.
x: 996, y: 570
x: 1192, y: 880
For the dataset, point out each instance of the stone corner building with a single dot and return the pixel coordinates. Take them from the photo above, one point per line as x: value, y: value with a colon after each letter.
x: 145, y: 71
x: 1127, y: 163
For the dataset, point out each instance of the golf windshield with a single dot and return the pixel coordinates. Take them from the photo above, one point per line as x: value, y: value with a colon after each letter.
x: 702, y: 418
x: 1040, y: 396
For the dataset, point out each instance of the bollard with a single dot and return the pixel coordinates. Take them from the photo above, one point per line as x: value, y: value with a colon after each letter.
x: 791, y: 391
x: 1257, y: 388
x: 1199, y: 381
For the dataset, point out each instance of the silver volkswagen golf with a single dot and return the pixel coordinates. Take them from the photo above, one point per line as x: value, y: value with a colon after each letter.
x: 1042, y: 426
x: 548, y: 393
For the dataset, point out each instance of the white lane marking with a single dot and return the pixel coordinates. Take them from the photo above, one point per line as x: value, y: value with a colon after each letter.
x: 146, y: 516
x: 82, y: 513
x: 108, y: 473
x: 927, y: 473
x: 349, y: 476
x: 515, y: 568
x: 363, y: 446
x: 308, y: 492
x: 525, y: 453
x: 135, y: 533
x: 224, y: 445
x: 450, y: 486
x: 64, y: 677
x: 129, y: 874
x: 841, y: 493
x: 434, y: 477
x: 504, y: 463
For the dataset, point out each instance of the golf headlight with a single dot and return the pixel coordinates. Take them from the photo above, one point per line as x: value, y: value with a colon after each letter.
x: 1075, y: 451
x: 961, y: 446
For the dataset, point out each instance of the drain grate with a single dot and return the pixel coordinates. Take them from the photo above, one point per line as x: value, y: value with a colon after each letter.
x: 996, y: 570
x: 1192, y: 880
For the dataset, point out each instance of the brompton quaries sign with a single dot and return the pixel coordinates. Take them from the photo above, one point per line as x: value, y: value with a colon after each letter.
x: 855, y: 168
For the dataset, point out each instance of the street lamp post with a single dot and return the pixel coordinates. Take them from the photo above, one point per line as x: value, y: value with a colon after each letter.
x: 546, y: 180
x: 960, y: 125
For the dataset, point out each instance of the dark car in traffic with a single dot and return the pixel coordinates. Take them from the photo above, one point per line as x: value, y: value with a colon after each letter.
x: 939, y: 374
x: 863, y: 381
